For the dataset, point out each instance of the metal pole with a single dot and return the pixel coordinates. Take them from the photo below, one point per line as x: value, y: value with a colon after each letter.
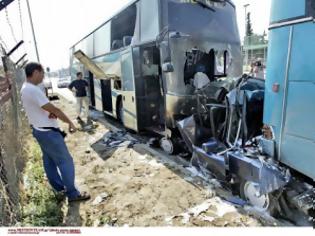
x: 31, y: 21
x: 245, y: 48
x: 245, y: 6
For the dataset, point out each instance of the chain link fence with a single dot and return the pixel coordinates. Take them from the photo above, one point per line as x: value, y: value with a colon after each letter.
x: 12, y: 126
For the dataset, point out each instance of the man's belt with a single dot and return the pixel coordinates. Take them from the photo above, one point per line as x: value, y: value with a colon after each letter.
x: 63, y: 133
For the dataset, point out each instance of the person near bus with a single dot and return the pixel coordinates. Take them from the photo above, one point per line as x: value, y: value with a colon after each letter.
x: 258, y: 69
x: 79, y: 87
x: 42, y: 116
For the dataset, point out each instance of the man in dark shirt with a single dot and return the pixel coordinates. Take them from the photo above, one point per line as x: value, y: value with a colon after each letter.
x: 79, y: 87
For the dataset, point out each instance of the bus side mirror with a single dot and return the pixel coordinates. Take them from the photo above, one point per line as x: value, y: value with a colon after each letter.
x: 167, y: 67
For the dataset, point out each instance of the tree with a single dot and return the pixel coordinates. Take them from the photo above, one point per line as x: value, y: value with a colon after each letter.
x: 249, y: 29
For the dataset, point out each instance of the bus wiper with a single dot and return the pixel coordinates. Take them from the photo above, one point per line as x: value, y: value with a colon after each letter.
x: 204, y: 5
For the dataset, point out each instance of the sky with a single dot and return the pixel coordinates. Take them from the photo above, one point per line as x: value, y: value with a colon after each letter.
x: 59, y: 24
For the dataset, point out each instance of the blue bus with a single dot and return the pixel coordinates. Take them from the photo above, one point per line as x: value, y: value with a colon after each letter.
x: 264, y: 145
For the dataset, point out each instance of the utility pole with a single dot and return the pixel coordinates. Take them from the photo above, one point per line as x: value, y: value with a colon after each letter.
x: 31, y: 21
x: 245, y: 7
x: 244, y: 48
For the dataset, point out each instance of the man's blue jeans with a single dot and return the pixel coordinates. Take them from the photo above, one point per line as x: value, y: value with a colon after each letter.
x: 57, y: 157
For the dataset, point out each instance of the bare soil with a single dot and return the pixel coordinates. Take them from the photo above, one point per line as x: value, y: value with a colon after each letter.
x: 135, y: 186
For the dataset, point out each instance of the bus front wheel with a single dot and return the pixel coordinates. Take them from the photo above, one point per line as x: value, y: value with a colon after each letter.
x: 168, y: 145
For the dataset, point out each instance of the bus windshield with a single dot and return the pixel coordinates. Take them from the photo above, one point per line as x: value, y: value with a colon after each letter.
x: 205, y: 3
x: 188, y: 16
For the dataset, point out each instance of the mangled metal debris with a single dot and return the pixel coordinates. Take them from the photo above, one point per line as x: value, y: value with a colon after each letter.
x: 209, y: 210
x: 226, y: 139
x: 118, y: 139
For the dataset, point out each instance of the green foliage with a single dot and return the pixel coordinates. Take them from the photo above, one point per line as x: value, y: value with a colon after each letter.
x: 40, y: 206
x: 105, y: 220
x: 249, y: 28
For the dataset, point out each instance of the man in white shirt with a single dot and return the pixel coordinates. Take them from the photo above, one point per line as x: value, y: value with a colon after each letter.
x: 58, y: 162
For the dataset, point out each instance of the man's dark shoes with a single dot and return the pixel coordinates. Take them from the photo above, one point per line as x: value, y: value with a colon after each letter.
x: 82, y: 197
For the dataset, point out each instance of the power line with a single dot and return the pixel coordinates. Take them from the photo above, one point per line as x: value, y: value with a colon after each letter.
x: 3, y: 5
x: 10, y: 25
x: 21, y: 19
x: 12, y: 30
x: 21, y: 22
x: 32, y: 26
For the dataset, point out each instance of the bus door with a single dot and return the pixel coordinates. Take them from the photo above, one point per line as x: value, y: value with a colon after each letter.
x: 98, y: 95
x: 101, y: 83
x: 92, y: 90
x: 130, y: 119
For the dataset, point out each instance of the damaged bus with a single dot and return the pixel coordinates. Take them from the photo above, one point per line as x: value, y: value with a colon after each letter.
x: 147, y: 63
x: 260, y: 140
x: 174, y: 67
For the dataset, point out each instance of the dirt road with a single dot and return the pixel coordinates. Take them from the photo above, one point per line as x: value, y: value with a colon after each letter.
x: 133, y: 185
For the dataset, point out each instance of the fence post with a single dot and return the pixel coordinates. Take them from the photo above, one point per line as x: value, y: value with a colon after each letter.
x: 2, y: 216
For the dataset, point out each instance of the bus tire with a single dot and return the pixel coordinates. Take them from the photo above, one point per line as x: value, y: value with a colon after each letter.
x: 169, y: 146
x: 265, y: 203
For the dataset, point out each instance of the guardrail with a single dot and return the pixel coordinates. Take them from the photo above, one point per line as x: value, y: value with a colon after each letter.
x: 5, y: 90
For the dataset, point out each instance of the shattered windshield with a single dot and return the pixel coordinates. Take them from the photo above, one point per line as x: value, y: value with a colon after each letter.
x: 188, y: 17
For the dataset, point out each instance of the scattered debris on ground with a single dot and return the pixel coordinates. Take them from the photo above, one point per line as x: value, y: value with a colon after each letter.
x: 118, y: 139
x: 132, y: 184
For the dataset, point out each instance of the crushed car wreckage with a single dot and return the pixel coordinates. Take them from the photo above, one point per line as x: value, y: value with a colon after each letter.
x: 227, y: 139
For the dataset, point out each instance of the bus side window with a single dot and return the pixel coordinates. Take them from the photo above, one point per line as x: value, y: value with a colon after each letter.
x: 117, y: 44
x: 127, y: 40
x: 123, y: 27
x: 310, y: 5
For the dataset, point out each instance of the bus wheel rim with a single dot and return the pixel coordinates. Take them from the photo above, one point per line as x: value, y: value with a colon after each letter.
x: 261, y: 202
x: 167, y: 145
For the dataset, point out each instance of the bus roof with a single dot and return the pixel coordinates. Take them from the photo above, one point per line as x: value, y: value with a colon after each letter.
x: 109, y: 19
x: 117, y: 13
